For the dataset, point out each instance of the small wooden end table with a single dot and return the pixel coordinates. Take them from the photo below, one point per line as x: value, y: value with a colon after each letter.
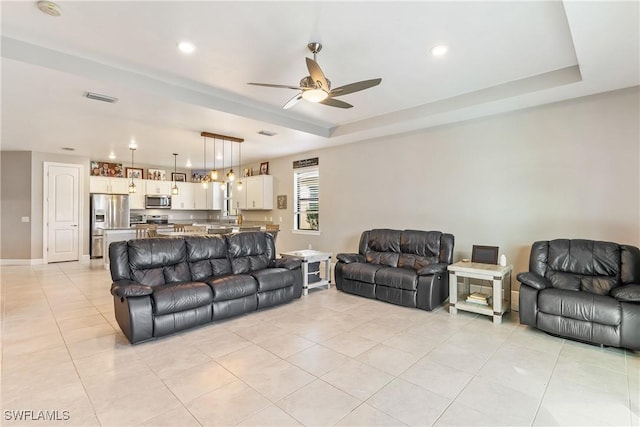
x: 499, y: 276
x: 310, y: 256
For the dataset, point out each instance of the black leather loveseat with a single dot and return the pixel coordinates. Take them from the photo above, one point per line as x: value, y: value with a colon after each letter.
x: 164, y: 285
x: 404, y: 267
x: 583, y: 290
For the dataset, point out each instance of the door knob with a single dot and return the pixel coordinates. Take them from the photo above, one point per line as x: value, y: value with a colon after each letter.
x: 74, y: 225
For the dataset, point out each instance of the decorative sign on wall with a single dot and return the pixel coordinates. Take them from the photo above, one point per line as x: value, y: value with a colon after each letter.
x: 305, y: 163
x: 282, y: 201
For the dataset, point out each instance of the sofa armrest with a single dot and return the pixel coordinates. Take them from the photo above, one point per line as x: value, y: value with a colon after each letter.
x: 288, y: 263
x: 439, y: 267
x: 127, y: 288
x: 534, y: 280
x: 628, y: 293
x: 350, y: 258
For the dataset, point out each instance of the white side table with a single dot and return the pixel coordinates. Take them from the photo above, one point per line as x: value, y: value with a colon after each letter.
x: 310, y: 256
x: 498, y: 275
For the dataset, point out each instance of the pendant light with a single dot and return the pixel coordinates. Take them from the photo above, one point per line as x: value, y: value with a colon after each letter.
x: 214, y: 171
x: 132, y: 185
x: 222, y: 184
x: 239, y: 185
x: 174, y: 189
x: 230, y: 175
x: 204, y: 163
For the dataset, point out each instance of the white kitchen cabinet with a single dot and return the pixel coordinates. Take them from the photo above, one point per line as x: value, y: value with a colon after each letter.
x: 238, y: 198
x: 185, y: 199
x: 136, y: 200
x: 158, y: 187
x: 258, y: 192
x: 107, y: 185
x: 200, y: 196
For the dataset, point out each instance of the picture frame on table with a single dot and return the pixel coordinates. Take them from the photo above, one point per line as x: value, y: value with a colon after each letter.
x: 135, y: 173
x: 178, y: 177
x: 264, y: 168
x: 157, y: 174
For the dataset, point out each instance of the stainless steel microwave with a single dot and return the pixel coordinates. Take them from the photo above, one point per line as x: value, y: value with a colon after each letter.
x: 157, y: 202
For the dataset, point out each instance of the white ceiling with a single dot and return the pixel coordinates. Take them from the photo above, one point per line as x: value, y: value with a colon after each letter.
x: 502, y: 56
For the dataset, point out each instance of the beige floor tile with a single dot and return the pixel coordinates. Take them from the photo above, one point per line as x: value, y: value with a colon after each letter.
x: 271, y: 416
x: 260, y: 332
x: 458, y: 414
x: 318, y: 404
x: 105, y: 343
x: 349, y: 344
x: 318, y: 360
x: 437, y: 378
x: 247, y: 360
x: 179, y: 416
x: 456, y: 357
x: 167, y: 364
x: 285, y: 345
x: 409, y: 403
x: 358, y: 379
x: 374, y: 331
x: 411, y: 344
x: 388, y: 359
x: 198, y: 380
x: 365, y: 416
x: 227, y: 405
x: 221, y: 346
x: 277, y: 380
x: 320, y: 332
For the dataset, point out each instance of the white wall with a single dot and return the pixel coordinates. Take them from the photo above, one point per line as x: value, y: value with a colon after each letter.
x: 566, y: 170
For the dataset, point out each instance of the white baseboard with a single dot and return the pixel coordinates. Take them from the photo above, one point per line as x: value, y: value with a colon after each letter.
x: 21, y: 261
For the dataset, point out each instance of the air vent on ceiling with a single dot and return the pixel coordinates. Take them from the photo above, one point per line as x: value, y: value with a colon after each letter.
x: 100, y: 97
x: 267, y: 133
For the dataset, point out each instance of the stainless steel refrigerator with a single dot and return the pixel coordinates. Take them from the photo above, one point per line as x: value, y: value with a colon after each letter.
x: 108, y: 211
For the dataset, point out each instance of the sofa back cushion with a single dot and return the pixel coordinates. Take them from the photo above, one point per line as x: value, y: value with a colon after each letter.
x: 207, y: 256
x: 250, y: 251
x: 156, y: 262
x: 406, y: 249
x: 580, y: 265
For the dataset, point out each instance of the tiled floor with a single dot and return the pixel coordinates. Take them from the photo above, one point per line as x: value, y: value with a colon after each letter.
x: 326, y: 359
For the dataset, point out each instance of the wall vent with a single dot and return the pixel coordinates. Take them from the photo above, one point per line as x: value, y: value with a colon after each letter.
x: 100, y: 97
x: 267, y: 133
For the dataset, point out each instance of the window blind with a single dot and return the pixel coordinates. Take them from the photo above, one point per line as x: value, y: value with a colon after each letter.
x: 307, y: 199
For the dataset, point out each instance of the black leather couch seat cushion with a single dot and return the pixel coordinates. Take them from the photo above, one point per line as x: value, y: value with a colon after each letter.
x: 581, y: 306
x: 361, y: 272
x: 181, y: 296
x: 232, y: 287
x: 273, y: 278
x: 401, y: 278
x: 207, y: 256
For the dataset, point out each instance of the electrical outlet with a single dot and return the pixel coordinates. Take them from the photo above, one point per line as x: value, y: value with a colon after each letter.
x: 271, y: 218
x: 280, y: 219
x: 25, y: 219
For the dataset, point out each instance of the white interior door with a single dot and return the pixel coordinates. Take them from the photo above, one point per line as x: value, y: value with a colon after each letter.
x: 63, y: 212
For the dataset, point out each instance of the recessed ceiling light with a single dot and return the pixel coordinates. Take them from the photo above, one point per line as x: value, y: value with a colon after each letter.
x: 439, y: 50
x: 188, y: 164
x: 112, y: 155
x: 186, y: 47
x: 133, y: 144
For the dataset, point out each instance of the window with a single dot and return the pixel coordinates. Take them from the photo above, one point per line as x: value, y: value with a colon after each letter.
x: 306, y: 205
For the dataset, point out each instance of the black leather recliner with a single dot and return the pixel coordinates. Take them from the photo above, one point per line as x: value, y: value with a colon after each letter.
x: 404, y: 267
x: 583, y: 290
x: 164, y: 285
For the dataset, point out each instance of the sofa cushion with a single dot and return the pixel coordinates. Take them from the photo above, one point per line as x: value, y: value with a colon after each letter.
x: 583, y: 306
x: 175, y: 297
x: 382, y: 246
x: 207, y: 256
x: 232, y: 287
x: 401, y: 278
x: 273, y: 278
x: 419, y: 248
x: 155, y: 262
x: 600, y: 285
x: 250, y: 251
x: 362, y: 272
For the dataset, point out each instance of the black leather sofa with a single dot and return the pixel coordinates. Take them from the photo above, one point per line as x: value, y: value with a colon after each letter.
x: 164, y: 285
x: 584, y: 290
x: 404, y: 267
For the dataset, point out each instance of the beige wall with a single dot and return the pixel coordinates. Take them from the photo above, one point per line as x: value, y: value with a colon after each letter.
x: 567, y: 170
x: 15, y: 203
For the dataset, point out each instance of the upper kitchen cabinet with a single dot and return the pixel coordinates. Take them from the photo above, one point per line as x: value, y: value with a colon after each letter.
x: 258, y: 192
x: 136, y: 200
x: 158, y: 187
x: 107, y: 185
x: 185, y: 199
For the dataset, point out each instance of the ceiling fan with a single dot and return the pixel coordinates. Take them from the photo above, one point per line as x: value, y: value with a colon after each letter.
x: 317, y: 88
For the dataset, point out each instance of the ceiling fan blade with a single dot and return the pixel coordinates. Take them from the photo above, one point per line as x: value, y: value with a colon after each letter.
x: 277, y: 86
x: 316, y: 74
x: 293, y: 101
x: 354, y: 87
x: 336, y: 103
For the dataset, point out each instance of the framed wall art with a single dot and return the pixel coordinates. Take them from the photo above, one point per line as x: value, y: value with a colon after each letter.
x: 107, y: 169
x: 178, y: 177
x: 157, y: 174
x: 137, y: 173
x: 264, y: 168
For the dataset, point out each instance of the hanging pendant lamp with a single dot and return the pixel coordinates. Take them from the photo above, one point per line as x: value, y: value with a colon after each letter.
x: 239, y: 185
x: 213, y: 175
x: 204, y: 164
x: 174, y: 188
x: 132, y: 185
x: 230, y: 175
x: 222, y: 184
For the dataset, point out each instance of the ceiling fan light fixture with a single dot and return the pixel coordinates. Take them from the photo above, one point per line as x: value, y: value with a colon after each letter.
x: 315, y: 95
x: 186, y: 47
